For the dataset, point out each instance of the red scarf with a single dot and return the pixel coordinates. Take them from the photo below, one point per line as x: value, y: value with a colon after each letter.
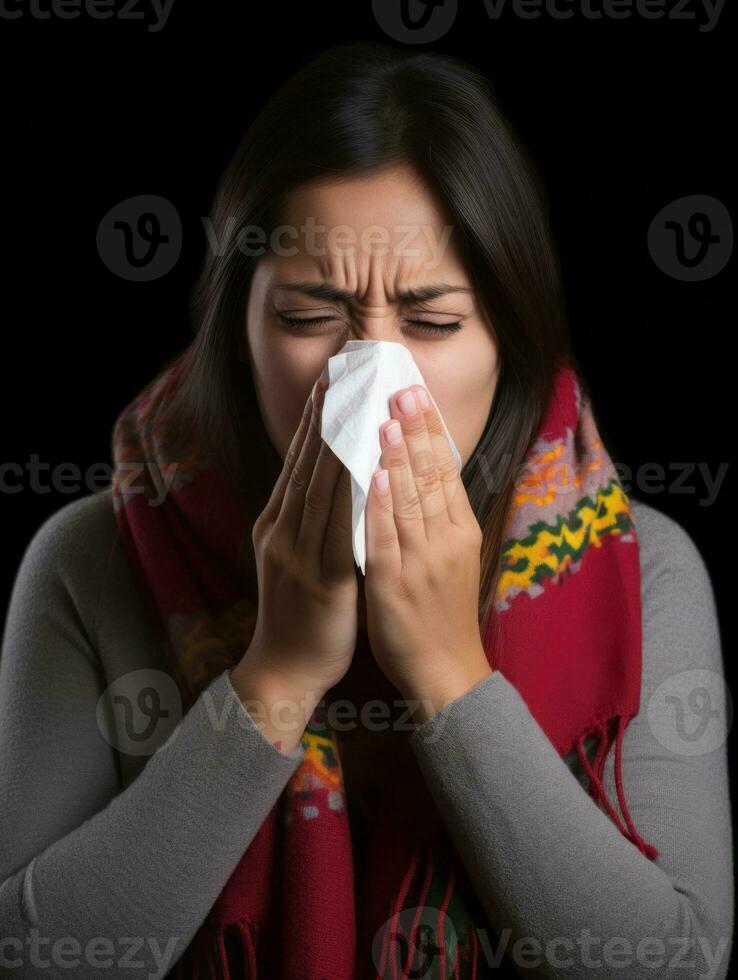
x: 567, y: 635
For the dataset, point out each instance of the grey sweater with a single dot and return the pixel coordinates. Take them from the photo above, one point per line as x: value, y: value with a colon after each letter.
x: 111, y: 855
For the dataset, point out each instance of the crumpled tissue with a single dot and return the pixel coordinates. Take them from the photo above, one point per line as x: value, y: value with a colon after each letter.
x: 361, y: 378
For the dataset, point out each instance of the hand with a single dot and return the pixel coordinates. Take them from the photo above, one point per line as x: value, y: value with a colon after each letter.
x: 423, y: 563
x: 307, y: 620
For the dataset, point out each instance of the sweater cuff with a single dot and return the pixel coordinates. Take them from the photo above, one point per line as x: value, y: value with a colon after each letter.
x: 227, y: 705
x: 461, y: 714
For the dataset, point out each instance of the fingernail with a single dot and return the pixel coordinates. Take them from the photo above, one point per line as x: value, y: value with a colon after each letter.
x: 381, y: 480
x: 422, y: 397
x: 407, y: 403
x: 393, y: 433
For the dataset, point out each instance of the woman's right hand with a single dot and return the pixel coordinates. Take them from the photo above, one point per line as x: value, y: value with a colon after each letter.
x: 307, y: 619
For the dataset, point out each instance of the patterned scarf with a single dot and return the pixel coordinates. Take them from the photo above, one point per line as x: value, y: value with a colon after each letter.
x: 314, y: 897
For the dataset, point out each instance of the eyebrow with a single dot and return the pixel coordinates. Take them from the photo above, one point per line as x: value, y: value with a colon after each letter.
x: 413, y: 294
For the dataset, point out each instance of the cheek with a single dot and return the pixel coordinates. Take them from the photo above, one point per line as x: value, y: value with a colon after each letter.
x: 464, y: 393
x: 278, y: 380
x: 286, y: 369
x: 466, y: 420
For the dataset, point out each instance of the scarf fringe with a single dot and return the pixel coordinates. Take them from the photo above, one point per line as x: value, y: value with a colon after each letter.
x: 215, y: 956
x: 248, y: 948
x: 392, y: 932
x: 597, y: 788
x: 441, y: 929
x: 212, y: 955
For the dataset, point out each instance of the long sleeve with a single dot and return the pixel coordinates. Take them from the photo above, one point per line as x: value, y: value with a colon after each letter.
x: 546, y: 862
x: 132, y: 872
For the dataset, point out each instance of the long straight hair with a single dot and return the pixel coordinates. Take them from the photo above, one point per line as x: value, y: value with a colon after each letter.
x: 356, y: 109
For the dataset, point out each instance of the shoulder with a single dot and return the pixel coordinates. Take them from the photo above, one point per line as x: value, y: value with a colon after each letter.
x: 69, y: 552
x: 78, y: 533
x: 667, y: 551
x: 680, y: 620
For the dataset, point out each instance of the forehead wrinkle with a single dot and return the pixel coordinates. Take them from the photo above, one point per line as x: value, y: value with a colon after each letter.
x: 376, y: 278
x: 364, y: 276
x: 373, y: 280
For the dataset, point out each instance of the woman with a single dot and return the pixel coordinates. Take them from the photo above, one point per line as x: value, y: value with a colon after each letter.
x: 525, y: 610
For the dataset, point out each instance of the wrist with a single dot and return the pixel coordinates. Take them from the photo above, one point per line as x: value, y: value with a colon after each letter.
x: 280, y: 707
x: 433, y: 694
x: 266, y: 683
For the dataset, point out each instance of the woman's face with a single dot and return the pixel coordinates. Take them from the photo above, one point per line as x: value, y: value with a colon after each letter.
x: 371, y: 237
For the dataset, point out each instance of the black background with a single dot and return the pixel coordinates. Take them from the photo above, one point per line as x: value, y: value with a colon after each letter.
x: 622, y: 117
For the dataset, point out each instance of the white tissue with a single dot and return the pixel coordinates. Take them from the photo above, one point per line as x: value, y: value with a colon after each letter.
x: 361, y: 379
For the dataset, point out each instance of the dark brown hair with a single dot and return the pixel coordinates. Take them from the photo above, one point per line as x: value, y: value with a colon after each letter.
x: 356, y: 109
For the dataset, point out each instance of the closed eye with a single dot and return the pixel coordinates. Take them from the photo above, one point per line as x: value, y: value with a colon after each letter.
x: 424, y: 326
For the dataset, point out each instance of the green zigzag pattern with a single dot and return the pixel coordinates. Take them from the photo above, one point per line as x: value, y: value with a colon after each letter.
x: 622, y: 523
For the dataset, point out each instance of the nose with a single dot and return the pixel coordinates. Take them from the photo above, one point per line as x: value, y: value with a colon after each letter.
x: 382, y: 323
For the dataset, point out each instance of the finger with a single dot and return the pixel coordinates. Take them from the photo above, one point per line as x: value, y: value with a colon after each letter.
x: 274, y: 504
x: 298, y: 477
x: 382, y: 544
x: 316, y: 509
x: 338, y: 548
x: 408, y: 514
x: 458, y: 507
x: 406, y: 407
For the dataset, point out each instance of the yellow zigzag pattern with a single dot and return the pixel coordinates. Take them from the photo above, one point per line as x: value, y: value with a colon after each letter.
x: 550, y: 550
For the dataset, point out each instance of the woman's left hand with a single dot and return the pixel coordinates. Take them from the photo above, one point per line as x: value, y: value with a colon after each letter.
x: 423, y: 545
